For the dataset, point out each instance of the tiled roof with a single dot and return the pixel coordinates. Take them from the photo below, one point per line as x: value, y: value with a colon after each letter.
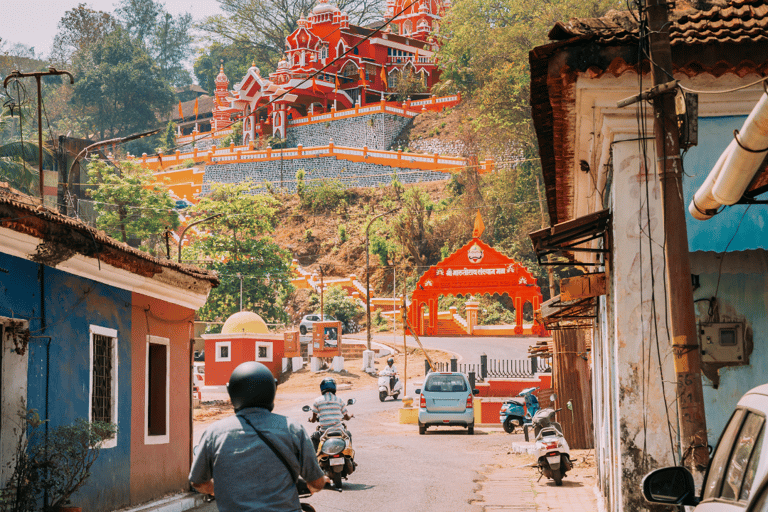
x: 716, y: 37
x: 62, y: 237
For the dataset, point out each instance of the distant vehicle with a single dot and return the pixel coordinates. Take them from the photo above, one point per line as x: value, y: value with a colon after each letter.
x: 309, y: 320
x: 738, y: 465
x: 446, y: 399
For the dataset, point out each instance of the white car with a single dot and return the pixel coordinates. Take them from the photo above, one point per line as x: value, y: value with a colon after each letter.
x: 738, y: 465
x: 309, y: 320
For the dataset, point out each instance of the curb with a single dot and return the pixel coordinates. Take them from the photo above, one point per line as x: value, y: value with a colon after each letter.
x: 175, y: 503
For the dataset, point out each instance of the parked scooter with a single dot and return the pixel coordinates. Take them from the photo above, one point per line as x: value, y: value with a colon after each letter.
x: 389, y: 385
x: 518, y: 411
x: 553, y: 455
x: 335, y: 453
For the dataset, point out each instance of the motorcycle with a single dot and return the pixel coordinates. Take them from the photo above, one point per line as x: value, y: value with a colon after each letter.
x: 518, y: 411
x: 553, y: 455
x: 389, y: 385
x: 335, y: 453
x: 304, y: 492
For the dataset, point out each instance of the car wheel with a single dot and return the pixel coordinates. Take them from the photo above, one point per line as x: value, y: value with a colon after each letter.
x: 382, y: 395
x: 422, y: 429
x: 303, y: 330
x: 471, y: 430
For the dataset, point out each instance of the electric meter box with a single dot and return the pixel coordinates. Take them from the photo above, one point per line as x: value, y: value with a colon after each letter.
x: 722, y: 342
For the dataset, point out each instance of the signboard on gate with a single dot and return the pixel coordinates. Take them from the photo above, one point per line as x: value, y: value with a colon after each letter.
x: 291, y: 344
x: 326, y: 339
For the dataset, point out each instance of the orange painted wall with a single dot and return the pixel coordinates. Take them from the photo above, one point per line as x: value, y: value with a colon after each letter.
x: 511, y: 387
x: 162, y: 468
x: 217, y: 373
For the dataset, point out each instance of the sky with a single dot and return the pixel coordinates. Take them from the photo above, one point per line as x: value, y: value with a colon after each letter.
x: 34, y: 22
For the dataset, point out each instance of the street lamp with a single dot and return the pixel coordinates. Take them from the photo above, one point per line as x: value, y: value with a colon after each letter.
x: 368, y: 274
x: 181, y: 236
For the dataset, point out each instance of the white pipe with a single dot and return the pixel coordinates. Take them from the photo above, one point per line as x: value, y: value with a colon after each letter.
x: 703, y: 205
x: 741, y: 165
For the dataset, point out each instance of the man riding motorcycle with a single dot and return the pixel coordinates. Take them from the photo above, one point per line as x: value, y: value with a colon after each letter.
x: 390, y: 370
x: 329, y: 410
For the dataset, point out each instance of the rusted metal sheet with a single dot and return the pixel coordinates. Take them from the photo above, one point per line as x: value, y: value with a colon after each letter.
x: 582, y: 287
x: 574, y: 236
x: 571, y: 380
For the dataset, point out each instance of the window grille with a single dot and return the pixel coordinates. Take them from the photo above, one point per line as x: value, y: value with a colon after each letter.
x: 101, y: 405
x: 263, y: 352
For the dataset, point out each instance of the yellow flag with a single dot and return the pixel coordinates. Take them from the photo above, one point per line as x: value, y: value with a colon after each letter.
x: 479, y: 226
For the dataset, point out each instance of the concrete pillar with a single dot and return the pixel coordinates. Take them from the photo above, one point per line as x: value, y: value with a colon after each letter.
x: 286, y: 364
x: 315, y: 364
x: 297, y: 363
x: 368, y: 360
x: 472, y: 307
x: 338, y: 364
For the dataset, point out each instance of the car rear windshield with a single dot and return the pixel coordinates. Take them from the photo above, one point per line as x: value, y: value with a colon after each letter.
x: 446, y: 384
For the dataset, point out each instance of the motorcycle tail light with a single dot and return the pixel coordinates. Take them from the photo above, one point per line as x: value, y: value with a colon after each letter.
x: 423, y: 402
x: 553, y: 454
x: 469, y: 402
x: 334, y: 446
x: 550, y: 446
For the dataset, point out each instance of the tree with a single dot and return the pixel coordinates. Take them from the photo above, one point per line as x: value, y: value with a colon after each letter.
x: 262, y: 25
x: 238, y: 243
x: 78, y: 30
x: 167, y: 39
x: 237, y: 59
x: 131, y: 205
x: 338, y: 305
x: 122, y: 92
x: 168, y: 138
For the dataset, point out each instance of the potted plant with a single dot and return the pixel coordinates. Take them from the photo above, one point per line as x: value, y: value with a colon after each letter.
x: 50, y: 468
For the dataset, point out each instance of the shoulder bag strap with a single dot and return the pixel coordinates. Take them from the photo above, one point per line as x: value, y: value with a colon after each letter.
x: 272, y: 447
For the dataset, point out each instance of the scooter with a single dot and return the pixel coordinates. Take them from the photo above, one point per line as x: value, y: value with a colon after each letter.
x: 335, y: 454
x: 304, y: 492
x: 387, y: 387
x: 553, y: 455
x: 518, y: 411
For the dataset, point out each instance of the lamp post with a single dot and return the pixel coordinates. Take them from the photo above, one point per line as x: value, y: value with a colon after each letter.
x: 181, y: 236
x: 368, y: 274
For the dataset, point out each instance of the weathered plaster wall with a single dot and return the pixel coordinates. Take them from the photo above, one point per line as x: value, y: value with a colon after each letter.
x: 71, y: 305
x: 160, y: 469
x: 352, y: 174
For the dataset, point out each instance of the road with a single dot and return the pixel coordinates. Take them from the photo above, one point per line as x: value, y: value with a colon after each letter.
x: 399, y: 469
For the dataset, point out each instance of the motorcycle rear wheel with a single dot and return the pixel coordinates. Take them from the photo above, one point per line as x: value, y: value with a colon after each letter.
x: 557, y: 476
x: 306, y: 507
x: 509, y: 427
x: 336, y: 477
x: 382, y: 395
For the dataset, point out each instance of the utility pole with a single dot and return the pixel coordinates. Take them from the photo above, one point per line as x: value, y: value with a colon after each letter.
x: 38, y: 74
x: 322, y: 291
x: 685, y: 347
x: 368, y: 274
x: 240, y: 276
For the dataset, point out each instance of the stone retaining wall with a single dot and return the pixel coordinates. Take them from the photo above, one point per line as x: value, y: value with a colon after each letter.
x: 377, y: 131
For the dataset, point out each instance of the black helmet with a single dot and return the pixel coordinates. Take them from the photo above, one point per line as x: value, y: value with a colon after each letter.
x: 390, y: 361
x: 328, y: 385
x: 252, y: 385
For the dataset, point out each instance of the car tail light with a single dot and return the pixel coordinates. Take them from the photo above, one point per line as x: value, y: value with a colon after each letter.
x: 423, y: 402
x: 469, y: 402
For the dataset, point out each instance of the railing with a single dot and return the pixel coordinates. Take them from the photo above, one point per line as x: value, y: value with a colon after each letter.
x: 495, y: 368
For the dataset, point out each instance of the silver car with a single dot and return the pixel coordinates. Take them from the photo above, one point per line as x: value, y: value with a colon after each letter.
x: 308, y: 321
x: 447, y: 400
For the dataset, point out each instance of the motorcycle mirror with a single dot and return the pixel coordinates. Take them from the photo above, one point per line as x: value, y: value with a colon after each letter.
x: 305, y: 408
x: 570, y: 405
x: 553, y: 397
x: 475, y: 391
x: 351, y: 401
x: 418, y: 391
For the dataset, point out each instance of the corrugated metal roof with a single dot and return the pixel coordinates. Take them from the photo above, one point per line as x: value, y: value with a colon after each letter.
x: 62, y: 237
x: 724, y: 37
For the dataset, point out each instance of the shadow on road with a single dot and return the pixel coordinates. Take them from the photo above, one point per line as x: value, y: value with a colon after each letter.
x: 355, y: 487
x: 566, y: 483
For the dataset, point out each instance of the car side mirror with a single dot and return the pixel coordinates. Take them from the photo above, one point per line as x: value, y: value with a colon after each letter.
x: 351, y: 401
x: 305, y: 408
x: 418, y: 391
x: 672, y: 486
x: 475, y: 391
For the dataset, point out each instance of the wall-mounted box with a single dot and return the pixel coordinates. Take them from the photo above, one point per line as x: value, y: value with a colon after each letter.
x: 722, y: 342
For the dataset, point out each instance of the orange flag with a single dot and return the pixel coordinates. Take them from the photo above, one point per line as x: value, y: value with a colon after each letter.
x: 362, y: 74
x: 384, y: 76
x: 195, y: 108
x: 479, y: 226
x: 181, y: 115
x: 314, y: 86
x: 337, y: 85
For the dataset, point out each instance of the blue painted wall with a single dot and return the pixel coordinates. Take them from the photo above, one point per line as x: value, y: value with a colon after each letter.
x: 71, y: 304
x: 741, y: 297
x: 715, y: 133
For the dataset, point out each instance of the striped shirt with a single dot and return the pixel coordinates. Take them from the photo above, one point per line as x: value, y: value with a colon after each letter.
x: 330, y: 410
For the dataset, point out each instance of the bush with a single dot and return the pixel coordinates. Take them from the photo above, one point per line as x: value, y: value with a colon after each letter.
x: 343, y: 233
x: 338, y: 305
x: 323, y: 197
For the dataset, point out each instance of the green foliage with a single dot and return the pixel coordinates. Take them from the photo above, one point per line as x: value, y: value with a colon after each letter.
x: 414, y: 227
x: 324, y: 196
x: 55, y: 465
x: 381, y: 248
x: 379, y: 323
x: 343, y: 236
x: 78, y: 30
x: 236, y: 136
x: 19, y: 165
x: 188, y: 163
x: 237, y: 61
x: 407, y: 84
x: 492, y: 312
x: 130, y: 205
x: 341, y: 307
x: 308, y: 237
x: 121, y: 90
x: 169, y: 137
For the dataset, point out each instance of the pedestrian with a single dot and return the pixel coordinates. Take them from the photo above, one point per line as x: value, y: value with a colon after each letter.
x: 254, y: 458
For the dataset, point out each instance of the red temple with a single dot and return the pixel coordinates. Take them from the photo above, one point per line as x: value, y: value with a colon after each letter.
x: 366, y: 74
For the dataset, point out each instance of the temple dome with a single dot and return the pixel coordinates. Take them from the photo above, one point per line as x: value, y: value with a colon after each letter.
x: 221, y: 77
x: 324, y: 7
x: 244, y: 322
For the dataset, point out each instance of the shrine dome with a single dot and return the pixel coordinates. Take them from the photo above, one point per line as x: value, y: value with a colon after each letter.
x: 221, y: 77
x: 244, y: 322
x: 324, y: 7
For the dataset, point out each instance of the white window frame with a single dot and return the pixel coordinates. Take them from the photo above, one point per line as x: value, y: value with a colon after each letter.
x: 112, y: 333
x: 164, y: 439
x: 219, y: 358
x: 266, y: 344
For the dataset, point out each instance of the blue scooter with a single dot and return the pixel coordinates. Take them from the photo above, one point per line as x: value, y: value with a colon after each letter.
x: 518, y: 411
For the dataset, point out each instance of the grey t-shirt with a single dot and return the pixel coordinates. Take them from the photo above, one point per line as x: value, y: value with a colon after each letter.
x: 247, y: 475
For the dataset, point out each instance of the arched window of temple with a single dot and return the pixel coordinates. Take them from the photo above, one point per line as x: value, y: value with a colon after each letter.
x: 324, y: 52
x: 407, y: 28
x: 350, y: 70
x: 340, y: 49
x: 392, y: 78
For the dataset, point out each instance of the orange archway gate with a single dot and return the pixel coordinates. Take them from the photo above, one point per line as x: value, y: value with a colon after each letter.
x: 475, y: 269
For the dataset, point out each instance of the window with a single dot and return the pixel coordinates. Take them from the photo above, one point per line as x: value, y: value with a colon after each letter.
x: 393, y: 78
x: 407, y: 28
x: 324, y: 52
x: 103, y: 385
x: 263, y: 351
x: 223, y: 351
x: 157, y: 391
